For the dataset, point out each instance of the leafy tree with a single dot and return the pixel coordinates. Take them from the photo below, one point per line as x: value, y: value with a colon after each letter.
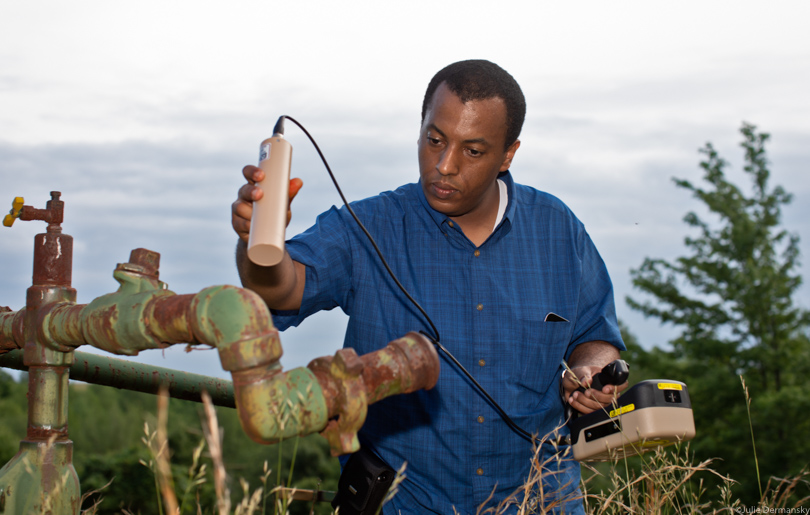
x: 732, y: 298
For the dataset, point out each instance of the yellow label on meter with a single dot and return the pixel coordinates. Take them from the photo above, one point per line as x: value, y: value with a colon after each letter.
x: 622, y: 410
x: 670, y: 386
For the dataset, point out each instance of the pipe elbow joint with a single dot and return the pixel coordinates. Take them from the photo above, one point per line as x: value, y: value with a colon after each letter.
x: 353, y: 382
x: 274, y: 405
x: 332, y: 394
x: 238, y: 323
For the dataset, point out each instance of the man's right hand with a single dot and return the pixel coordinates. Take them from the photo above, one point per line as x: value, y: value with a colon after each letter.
x: 242, y: 208
x: 281, y: 286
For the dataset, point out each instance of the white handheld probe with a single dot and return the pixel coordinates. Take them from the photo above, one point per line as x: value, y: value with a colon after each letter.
x: 268, y: 224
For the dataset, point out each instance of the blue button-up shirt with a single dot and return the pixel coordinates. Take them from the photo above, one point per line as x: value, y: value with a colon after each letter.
x: 489, y: 304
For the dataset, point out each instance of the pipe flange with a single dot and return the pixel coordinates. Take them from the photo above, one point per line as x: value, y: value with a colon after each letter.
x: 351, y: 404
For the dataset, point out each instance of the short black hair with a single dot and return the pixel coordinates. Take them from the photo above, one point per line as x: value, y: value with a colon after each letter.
x: 479, y: 79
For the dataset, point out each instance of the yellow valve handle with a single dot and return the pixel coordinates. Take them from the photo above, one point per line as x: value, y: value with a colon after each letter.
x: 16, y: 207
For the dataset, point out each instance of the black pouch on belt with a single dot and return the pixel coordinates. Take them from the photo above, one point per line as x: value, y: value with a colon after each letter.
x: 363, y: 484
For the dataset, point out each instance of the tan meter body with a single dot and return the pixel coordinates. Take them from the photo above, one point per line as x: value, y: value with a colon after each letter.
x: 269, y: 221
x: 651, y: 414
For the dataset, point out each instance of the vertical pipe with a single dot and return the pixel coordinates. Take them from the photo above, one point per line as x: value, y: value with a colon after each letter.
x: 45, y: 460
x: 48, y: 368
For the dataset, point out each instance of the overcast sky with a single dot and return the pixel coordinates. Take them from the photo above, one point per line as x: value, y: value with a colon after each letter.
x: 143, y: 113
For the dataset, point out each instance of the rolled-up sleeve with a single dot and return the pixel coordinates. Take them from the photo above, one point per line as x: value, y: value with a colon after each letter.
x: 325, y: 249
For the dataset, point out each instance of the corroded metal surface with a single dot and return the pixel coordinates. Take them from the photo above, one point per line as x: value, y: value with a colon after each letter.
x: 47, y: 369
x: 171, y: 317
x: 405, y: 365
x: 128, y: 375
x: 53, y: 251
x: 119, y: 373
x: 142, y: 315
x: 238, y: 322
x: 350, y: 383
x: 11, y: 329
x: 331, y: 395
x: 119, y: 322
x: 47, y: 403
x: 54, y: 212
x: 53, y: 258
x: 350, y: 405
x: 59, y: 325
x: 41, y: 477
x: 147, y: 260
x: 274, y: 406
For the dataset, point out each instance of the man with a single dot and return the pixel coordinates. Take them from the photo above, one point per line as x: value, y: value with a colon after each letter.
x: 508, y: 275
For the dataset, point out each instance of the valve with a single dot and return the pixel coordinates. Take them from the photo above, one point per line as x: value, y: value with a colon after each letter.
x: 53, y: 212
x: 53, y: 250
x: 16, y: 209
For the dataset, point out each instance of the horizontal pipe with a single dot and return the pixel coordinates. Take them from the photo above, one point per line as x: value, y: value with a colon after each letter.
x: 12, y: 328
x: 331, y: 395
x: 129, y: 375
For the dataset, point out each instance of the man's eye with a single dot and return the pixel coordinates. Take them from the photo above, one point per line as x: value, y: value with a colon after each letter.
x: 475, y: 153
x: 433, y: 141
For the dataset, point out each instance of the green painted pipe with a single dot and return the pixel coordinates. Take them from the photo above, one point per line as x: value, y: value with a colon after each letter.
x: 129, y: 375
x: 40, y: 478
x: 331, y: 395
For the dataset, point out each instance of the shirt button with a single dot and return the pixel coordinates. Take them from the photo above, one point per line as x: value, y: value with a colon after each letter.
x: 480, y: 472
x: 477, y: 253
x: 480, y: 419
x: 450, y: 224
x: 482, y: 362
x: 479, y: 307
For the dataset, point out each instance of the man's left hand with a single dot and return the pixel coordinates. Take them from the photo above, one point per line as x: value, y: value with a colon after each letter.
x: 590, y: 400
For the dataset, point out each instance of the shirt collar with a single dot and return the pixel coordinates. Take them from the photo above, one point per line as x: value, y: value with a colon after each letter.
x: 440, y: 218
x: 506, y: 177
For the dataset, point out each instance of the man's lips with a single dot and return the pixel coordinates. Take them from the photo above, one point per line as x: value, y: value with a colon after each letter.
x: 442, y: 190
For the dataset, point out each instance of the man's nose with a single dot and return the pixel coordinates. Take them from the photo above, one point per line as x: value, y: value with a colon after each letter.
x: 448, y: 162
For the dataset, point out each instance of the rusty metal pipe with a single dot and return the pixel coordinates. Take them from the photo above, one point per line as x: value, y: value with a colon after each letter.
x: 138, y: 377
x: 331, y: 395
x: 404, y: 366
x: 274, y: 405
x: 233, y: 319
x: 43, y: 466
x: 12, y: 329
x: 351, y: 383
x: 238, y: 323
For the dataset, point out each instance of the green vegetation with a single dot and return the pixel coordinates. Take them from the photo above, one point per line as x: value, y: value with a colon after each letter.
x: 732, y: 298
x: 107, y: 427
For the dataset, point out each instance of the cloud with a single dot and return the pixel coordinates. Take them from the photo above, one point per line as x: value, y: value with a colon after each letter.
x: 174, y: 197
x: 144, y: 122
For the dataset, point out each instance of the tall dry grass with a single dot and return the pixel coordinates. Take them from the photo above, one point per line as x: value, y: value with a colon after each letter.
x: 668, y: 482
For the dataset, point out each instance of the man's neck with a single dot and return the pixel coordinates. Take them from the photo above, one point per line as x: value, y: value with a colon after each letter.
x: 478, y: 224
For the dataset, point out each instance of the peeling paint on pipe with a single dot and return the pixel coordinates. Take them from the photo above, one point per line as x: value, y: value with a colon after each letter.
x: 128, y: 375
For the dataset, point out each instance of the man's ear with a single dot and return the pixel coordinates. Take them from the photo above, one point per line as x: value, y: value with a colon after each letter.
x: 510, y: 153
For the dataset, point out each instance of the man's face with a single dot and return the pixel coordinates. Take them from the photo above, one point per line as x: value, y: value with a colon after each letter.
x: 461, y: 152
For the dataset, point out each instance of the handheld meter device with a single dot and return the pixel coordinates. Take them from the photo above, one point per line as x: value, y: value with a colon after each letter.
x: 651, y: 414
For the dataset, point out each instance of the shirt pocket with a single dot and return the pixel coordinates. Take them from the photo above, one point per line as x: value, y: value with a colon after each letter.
x: 541, y: 351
